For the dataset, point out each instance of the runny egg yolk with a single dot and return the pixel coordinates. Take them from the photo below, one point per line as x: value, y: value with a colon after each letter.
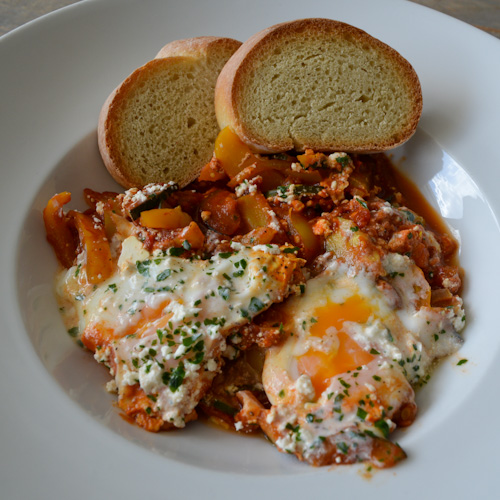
x: 321, y: 366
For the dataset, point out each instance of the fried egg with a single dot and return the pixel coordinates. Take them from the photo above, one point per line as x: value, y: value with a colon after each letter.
x: 160, y: 322
x: 358, y: 341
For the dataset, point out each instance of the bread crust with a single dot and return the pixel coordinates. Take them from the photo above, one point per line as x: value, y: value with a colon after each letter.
x: 109, y: 121
x: 231, y: 83
x: 201, y: 46
x: 202, y: 50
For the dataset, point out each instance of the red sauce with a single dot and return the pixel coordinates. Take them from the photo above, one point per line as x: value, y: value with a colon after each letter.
x: 416, y: 201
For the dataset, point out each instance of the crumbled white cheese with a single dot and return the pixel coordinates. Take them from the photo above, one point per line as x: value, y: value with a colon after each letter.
x: 286, y: 443
x: 180, y: 351
x: 332, y: 159
x: 272, y: 249
x: 138, y: 197
x: 212, y: 365
x: 271, y: 415
x: 237, y: 246
x: 247, y: 186
x: 166, y: 352
x: 230, y: 352
x: 181, y: 311
x: 155, y: 188
x: 150, y: 378
x: 274, y: 224
x: 289, y: 194
x: 128, y: 377
x: 112, y: 387
x: 377, y: 336
x: 305, y: 387
x: 102, y: 355
x: 99, y: 207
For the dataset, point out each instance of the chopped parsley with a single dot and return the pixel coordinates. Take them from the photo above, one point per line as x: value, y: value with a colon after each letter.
x: 177, y: 377
x: 256, y: 305
x: 224, y: 292
x: 143, y: 267
x: 176, y: 251
x: 342, y: 447
x: 343, y: 161
x: 361, y: 414
x: 164, y: 275
x: 382, y: 426
x: 73, y: 331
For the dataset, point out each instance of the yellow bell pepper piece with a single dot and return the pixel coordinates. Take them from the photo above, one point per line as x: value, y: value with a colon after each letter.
x: 165, y: 218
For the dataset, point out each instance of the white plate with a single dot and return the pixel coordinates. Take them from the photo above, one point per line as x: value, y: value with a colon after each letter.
x: 60, y: 435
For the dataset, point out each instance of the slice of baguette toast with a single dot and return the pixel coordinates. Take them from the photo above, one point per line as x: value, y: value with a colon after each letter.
x: 159, y: 124
x: 320, y: 84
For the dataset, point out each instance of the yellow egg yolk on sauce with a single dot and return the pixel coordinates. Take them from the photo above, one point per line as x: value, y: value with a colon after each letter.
x: 321, y: 366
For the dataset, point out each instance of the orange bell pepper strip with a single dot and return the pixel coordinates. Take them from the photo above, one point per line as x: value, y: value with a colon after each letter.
x: 99, y: 264
x: 192, y: 234
x: 165, y: 218
x: 230, y: 150
x: 58, y: 227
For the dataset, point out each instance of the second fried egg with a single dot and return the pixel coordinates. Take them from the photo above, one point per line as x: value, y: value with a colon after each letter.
x: 358, y: 343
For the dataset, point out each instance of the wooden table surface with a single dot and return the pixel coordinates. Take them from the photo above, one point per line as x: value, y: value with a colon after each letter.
x: 484, y: 14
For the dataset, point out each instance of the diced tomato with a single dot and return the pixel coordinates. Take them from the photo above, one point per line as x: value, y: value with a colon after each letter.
x: 219, y: 211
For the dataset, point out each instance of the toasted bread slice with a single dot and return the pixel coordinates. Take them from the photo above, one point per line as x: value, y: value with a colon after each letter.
x: 159, y: 124
x: 320, y: 84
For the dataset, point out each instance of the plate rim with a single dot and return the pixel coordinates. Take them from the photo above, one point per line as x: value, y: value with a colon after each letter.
x: 21, y: 345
